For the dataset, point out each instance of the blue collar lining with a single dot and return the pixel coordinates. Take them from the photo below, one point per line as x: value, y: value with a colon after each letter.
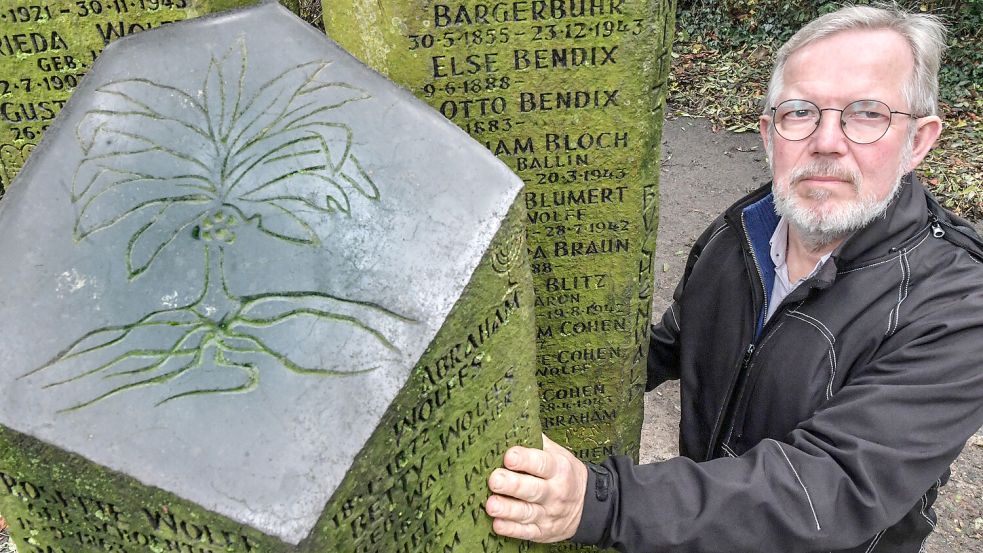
x: 760, y: 222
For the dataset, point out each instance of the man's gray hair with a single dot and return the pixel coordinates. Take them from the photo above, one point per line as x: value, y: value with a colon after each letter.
x: 924, y: 33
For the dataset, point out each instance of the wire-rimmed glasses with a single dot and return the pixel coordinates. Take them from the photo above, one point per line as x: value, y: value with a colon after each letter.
x: 862, y: 121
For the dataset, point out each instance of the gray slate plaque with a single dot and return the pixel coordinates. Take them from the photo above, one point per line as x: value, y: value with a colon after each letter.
x: 244, y: 268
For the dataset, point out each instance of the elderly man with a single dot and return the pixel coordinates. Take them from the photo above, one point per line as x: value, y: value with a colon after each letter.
x: 828, y: 333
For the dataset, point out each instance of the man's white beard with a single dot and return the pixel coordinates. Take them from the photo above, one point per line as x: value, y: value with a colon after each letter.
x: 818, y: 227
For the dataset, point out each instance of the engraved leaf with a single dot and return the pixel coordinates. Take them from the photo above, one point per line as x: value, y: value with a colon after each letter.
x: 295, y: 97
x: 287, y: 162
x: 280, y: 220
x: 306, y: 178
x: 288, y: 165
x: 99, y: 175
x: 105, y: 131
x: 125, y: 170
x: 140, y: 162
x: 110, y: 195
x: 146, y: 102
x: 160, y: 231
x: 143, y: 205
x: 222, y: 90
x: 323, y: 149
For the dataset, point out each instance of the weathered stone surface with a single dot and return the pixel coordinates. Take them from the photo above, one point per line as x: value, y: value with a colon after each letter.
x: 258, y: 298
x: 46, y: 46
x: 568, y: 93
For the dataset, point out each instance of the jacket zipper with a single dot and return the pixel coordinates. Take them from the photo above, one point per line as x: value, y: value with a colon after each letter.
x: 747, y: 355
x: 764, y: 293
x: 745, y: 380
x: 741, y: 375
x: 938, y: 231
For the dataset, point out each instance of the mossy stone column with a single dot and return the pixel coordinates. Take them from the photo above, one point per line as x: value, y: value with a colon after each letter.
x: 243, y: 314
x: 569, y: 94
x: 47, y: 46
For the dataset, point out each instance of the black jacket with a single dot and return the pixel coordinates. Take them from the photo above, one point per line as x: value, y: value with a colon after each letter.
x: 831, y: 427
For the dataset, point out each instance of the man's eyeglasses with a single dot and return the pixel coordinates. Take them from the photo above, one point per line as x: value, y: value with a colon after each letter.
x: 863, y: 121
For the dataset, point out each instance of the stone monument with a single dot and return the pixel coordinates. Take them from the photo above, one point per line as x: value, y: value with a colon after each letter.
x: 47, y: 47
x: 257, y: 298
x: 569, y: 94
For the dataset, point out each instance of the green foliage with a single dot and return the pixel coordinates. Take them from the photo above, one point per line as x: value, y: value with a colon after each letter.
x: 962, y: 73
x: 738, y: 23
x: 311, y: 12
x: 722, y: 61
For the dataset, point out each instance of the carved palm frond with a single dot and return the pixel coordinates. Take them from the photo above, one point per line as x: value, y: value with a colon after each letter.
x: 269, y: 152
x: 170, y: 166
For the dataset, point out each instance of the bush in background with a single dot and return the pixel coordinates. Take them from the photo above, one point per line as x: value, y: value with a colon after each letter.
x: 738, y: 23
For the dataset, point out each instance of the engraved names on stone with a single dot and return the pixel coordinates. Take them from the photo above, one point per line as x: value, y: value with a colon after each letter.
x: 569, y: 94
x: 62, y: 520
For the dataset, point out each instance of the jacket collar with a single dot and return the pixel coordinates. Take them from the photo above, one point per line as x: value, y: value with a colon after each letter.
x: 755, y: 219
x: 904, y: 218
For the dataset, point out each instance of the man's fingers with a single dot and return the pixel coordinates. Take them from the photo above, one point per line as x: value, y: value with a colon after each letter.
x: 514, y: 510
x: 520, y: 486
x: 539, y: 495
x: 530, y: 461
x: 513, y: 529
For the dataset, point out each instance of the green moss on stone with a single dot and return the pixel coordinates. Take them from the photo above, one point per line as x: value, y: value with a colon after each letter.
x: 572, y: 100
x: 59, y: 502
x: 47, y: 48
x: 419, y: 484
x: 570, y: 95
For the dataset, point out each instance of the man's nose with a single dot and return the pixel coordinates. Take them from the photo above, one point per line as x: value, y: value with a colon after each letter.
x: 829, y: 137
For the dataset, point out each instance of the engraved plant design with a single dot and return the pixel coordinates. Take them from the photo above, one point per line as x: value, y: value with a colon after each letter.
x: 201, y: 168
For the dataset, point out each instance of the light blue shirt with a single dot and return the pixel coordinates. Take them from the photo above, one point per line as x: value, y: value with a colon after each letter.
x: 782, y: 286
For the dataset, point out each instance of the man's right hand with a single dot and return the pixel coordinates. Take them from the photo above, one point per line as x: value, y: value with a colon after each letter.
x: 539, y: 495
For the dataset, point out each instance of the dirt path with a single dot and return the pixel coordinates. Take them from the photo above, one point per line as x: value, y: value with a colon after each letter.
x: 702, y: 174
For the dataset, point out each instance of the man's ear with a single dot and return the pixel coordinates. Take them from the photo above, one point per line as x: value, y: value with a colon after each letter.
x: 764, y: 123
x: 928, y: 131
